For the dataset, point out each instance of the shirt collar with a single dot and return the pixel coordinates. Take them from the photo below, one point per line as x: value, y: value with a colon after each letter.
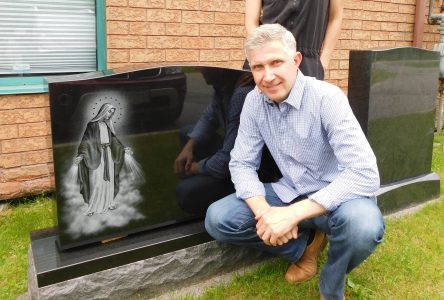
x: 295, y: 97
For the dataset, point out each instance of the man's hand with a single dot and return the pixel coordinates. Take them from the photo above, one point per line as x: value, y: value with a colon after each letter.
x: 194, y: 169
x: 182, y: 164
x: 277, y: 226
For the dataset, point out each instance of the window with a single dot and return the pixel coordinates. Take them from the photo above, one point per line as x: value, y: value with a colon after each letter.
x: 47, y: 37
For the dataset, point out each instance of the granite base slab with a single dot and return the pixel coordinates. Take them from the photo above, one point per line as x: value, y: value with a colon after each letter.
x: 152, y: 266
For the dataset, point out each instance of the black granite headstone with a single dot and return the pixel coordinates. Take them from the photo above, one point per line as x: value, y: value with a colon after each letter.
x: 115, y: 140
x: 392, y: 93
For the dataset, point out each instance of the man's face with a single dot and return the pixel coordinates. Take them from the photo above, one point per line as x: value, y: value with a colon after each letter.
x: 274, y: 70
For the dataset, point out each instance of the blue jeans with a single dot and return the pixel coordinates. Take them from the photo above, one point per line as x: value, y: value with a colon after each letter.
x: 354, y: 230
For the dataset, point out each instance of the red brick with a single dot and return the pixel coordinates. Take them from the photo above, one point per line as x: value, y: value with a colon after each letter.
x: 39, y: 185
x: 237, y: 55
x: 216, y: 5
x: 386, y: 26
x: 10, y: 160
x: 25, y: 144
x: 23, y: 101
x: 147, y: 55
x: 117, y: 55
x: 10, y: 190
x: 238, y: 31
x: 36, y: 157
x: 361, y: 35
x: 214, y: 55
x: 182, y: 29
x: 182, y: 55
x: 155, y: 3
x: 407, y: 9
x: 338, y: 74
x: 18, y: 116
x: 182, y: 4
x: 197, y: 17
x: 371, y: 6
x: 116, y: 2
x: 8, y: 132
x: 163, y: 15
x: 163, y: 42
x: 126, y: 14
x: 117, y: 27
x: 371, y: 25
x: 24, y: 173
x: 229, y: 18
x: 379, y: 35
x: 34, y: 129
x: 197, y: 42
x: 351, y: 24
x: 214, y: 30
x: 145, y: 28
x: 228, y: 43
x: 137, y: 3
x: 125, y: 42
x: 237, y: 6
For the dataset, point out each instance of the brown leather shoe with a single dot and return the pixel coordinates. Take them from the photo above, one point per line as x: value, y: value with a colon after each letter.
x: 307, y: 266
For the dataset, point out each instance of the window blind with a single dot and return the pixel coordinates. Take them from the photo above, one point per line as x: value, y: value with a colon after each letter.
x: 46, y: 37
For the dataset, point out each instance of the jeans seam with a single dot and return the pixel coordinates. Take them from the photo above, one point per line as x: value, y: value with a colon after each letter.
x: 241, y: 225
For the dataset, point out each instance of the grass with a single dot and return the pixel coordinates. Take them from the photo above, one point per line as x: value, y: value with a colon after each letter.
x: 16, y: 223
x: 407, y: 265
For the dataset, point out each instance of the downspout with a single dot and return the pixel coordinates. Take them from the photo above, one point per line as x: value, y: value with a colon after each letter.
x: 418, y: 29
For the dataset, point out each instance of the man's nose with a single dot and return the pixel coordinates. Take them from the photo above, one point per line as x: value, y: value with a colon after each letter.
x: 268, y: 74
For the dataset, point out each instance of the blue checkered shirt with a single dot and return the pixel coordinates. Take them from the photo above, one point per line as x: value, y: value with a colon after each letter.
x: 314, y: 138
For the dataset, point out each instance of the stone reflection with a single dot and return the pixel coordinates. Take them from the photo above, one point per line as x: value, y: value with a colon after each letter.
x: 202, y: 164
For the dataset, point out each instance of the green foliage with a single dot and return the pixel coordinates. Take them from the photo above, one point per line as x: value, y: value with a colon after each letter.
x: 15, y: 225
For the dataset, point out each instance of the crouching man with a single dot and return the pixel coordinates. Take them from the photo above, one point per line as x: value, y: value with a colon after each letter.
x: 330, y: 176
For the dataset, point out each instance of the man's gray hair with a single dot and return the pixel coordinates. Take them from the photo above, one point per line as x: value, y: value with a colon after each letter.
x: 270, y: 33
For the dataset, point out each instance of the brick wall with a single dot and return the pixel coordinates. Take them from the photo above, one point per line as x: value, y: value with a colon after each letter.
x: 25, y: 145
x: 175, y: 32
x: 167, y: 32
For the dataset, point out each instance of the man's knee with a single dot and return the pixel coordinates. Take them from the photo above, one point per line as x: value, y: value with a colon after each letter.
x: 363, y: 224
x: 225, y: 217
x: 214, y: 220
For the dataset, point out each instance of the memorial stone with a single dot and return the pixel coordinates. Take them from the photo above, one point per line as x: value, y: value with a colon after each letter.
x: 392, y: 93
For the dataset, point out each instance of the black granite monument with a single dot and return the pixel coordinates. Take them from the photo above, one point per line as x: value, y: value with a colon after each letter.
x: 392, y: 93
x: 116, y: 135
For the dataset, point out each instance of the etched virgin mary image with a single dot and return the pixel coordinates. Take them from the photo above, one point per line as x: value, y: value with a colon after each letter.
x: 100, y: 158
x: 101, y: 186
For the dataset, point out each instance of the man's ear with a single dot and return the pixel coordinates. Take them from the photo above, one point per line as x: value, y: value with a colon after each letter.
x: 298, y: 58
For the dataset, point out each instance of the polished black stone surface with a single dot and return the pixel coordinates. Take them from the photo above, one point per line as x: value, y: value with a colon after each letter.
x: 392, y: 93
x: 150, y: 107
x: 405, y: 193
x: 53, y: 266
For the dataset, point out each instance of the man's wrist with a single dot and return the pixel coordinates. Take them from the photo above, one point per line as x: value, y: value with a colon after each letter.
x: 258, y: 204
